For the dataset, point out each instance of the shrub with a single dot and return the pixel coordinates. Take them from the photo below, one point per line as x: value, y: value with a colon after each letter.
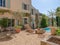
x: 43, y: 23
x: 4, y: 22
x: 58, y: 32
x: 58, y: 20
x: 18, y: 27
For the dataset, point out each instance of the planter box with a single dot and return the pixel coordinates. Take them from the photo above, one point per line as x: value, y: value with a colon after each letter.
x: 46, y: 42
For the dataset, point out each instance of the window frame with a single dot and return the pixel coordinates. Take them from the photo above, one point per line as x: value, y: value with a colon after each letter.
x: 25, y: 6
x: 2, y: 3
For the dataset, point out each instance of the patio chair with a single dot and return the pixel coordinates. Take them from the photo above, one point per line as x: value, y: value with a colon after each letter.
x: 11, y: 30
x: 28, y: 28
x: 7, y: 32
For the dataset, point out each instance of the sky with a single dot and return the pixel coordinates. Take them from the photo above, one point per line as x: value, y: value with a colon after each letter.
x: 45, y: 5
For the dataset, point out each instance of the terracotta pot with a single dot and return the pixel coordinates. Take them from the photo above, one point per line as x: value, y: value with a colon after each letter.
x: 18, y: 30
x: 53, y: 31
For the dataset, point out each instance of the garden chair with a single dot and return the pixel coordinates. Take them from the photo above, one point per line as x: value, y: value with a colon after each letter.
x: 11, y: 30
x: 7, y: 32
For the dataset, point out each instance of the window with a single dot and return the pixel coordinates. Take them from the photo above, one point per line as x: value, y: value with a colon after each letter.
x: 32, y: 11
x: 25, y: 20
x: 25, y: 6
x: 11, y: 22
x: 2, y: 3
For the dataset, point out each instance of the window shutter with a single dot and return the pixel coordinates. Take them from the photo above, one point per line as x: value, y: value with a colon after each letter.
x: 0, y: 2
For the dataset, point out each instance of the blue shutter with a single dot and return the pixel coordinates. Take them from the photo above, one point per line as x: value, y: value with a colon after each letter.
x: 4, y: 3
x: 0, y: 2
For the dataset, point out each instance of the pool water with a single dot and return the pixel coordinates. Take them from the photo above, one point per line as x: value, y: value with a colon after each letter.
x: 47, y: 29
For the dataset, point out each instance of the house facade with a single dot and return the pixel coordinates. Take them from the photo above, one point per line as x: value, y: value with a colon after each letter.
x: 34, y: 16
x: 18, y: 11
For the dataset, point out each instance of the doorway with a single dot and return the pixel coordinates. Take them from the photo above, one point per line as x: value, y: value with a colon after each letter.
x: 25, y: 20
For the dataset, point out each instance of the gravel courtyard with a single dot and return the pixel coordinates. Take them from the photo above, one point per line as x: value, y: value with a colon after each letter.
x: 22, y: 38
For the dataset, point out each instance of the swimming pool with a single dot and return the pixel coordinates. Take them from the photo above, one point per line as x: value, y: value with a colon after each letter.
x: 47, y: 29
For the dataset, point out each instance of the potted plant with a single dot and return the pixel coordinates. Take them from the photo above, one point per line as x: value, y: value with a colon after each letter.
x: 18, y: 29
x: 53, y: 31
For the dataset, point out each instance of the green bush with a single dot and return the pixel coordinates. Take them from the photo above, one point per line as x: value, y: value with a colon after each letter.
x: 43, y: 23
x: 58, y: 20
x: 0, y: 22
x: 4, y: 22
x: 58, y: 32
x: 19, y: 26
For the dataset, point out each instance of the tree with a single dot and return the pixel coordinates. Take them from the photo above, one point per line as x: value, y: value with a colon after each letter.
x: 43, y: 22
x: 58, y: 20
x: 58, y: 16
x: 52, y: 14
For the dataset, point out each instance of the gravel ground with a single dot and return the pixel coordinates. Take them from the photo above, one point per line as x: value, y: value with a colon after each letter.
x: 22, y: 38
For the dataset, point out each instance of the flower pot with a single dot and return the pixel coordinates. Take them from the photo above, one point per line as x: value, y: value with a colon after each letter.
x: 18, y: 30
x: 53, y: 31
